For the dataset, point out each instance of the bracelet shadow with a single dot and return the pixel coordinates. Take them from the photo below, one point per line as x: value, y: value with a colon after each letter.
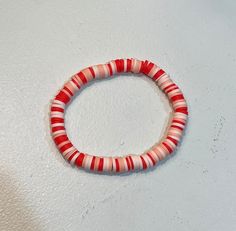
x: 165, y: 128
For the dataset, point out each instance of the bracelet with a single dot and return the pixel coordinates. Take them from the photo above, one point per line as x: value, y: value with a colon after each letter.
x: 129, y: 162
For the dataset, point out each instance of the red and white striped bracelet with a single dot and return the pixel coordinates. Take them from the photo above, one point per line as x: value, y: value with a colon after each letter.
x: 129, y: 162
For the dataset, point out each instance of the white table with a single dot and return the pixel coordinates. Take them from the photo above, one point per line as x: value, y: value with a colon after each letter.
x: 44, y: 43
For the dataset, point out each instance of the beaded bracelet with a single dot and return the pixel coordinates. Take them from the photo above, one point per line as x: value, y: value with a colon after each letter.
x: 129, y: 162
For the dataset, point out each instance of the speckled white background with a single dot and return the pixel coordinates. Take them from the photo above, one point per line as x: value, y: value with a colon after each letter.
x: 44, y: 42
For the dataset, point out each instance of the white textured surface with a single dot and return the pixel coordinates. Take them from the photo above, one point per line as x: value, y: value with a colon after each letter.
x: 44, y: 43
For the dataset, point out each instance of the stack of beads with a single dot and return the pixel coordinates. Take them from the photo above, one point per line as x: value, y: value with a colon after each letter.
x: 129, y: 162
